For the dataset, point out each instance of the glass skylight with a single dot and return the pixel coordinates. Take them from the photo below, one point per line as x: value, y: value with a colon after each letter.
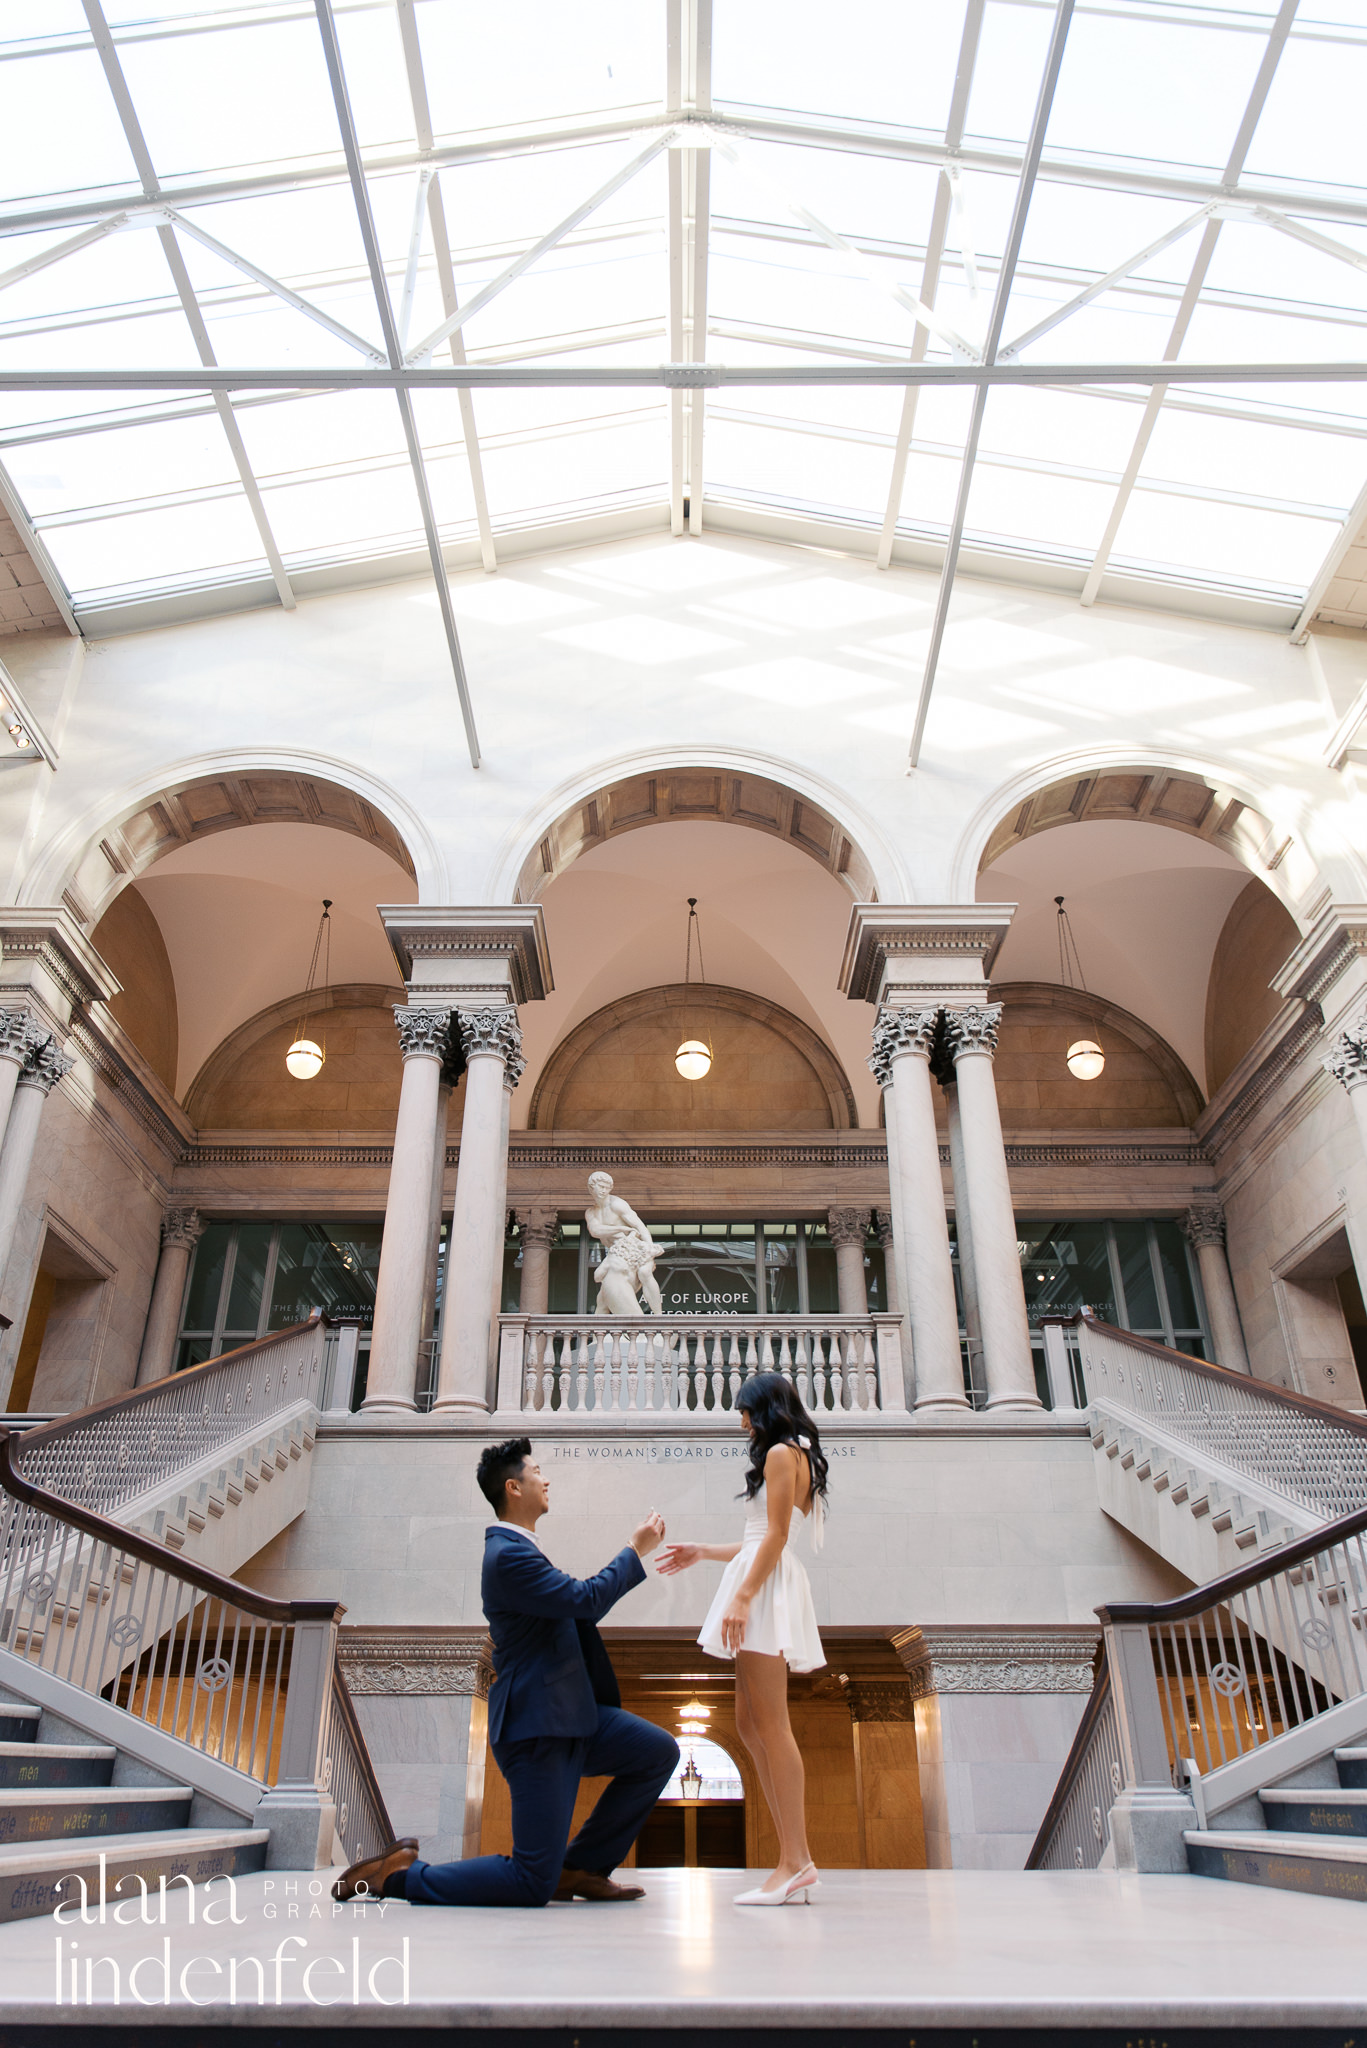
x: 824, y: 180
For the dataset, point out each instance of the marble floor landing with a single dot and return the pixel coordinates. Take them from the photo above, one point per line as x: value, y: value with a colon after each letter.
x: 911, y: 1951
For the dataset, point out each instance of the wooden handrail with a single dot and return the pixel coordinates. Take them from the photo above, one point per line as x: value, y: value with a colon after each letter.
x: 1217, y: 1590
x: 150, y: 1551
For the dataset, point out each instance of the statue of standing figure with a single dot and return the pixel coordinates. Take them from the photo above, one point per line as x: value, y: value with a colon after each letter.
x: 628, y: 1261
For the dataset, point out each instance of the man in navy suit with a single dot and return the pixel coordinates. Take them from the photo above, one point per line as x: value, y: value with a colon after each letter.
x: 555, y: 1716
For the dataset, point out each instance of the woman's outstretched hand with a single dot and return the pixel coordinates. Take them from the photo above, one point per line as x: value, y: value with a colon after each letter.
x: 677, y: 1557
x: 734, y: 1622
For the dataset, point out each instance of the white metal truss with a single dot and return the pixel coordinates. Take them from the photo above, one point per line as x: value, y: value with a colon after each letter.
x: 1053, y: 63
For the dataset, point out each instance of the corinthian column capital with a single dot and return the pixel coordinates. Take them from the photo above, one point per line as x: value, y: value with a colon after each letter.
x: 493, y: 1033
x: 45, y: 1065
x: 539, y: 1227
x: 1204, y: 1223
x: 897, y: 1032
x: 20, y: 1032
x: 182, y: 1228
x: 424, y: 1033
x: 974, y: 1029
x: 847, y: 1226
x: 1346, y: 1058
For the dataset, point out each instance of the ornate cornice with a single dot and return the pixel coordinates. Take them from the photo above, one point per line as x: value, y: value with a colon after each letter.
x: 54, y: 942
x: 955, y: 934
x: 303, y: 1154
x: 511, y: 933
x: 1337, y: 938
x: 103, y: 1043
x: 974, y: 1029
x: 392, y: 1663
x: 878, y: 1699
x: 998, y: 1660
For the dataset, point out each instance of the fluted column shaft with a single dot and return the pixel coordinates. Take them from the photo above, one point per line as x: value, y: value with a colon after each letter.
x: 848, y: 1230
x: 1204, y: 1228
x: 963, y: 1225
x: 1007, y: 1362
x: 538, y: 1230
x: 902, y: 1042
x: 181, y: 1230
x: 492, y: 1043
x: 44, y: 1066
x: 398, y: 1326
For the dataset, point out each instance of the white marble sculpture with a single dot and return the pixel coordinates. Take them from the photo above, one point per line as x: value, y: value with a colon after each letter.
x: 628, y: 1261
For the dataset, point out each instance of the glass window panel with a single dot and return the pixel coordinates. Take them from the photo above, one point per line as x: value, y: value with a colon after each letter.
x: 377, y: 506
x: 563, y: 1291
x: 132, y: 463
x: 1264, y: 461
x: 1006, y: 77
x: 248, y: 1281
x: 1176, y: 1269
x: 1051, y: 511
x: 377, y: 82
x: 1311, y: 127
x: 704, y: 1276
x: 181, y: 541
x: 1064, y: 1267
x: 510, y: 1299
x: 193, y: 1351
x: 882, y: 60
x: 1152, y: 89
x: 538, y: 60
x: 1136, y: 1272
x: 876, y: 1280
x: 270, y: 99
x: 1278, y: 550
x: 823, y: 1288
x: 60, y: 131
x: 332, y: 1266
x: 206, y: 1278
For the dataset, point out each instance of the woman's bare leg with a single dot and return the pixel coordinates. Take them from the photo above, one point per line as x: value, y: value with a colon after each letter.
x: 748, y: 1730
x: 766, y: 1694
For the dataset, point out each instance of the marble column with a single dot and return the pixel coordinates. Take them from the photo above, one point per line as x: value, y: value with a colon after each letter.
x: 902, y: 1042
x: 538, y: 1230
x: 963, y: 1229
x: 492, y: 1043
x: 1204, y: 1229
x: 1007, y: 1362
x: 44, y: 1065
x: 849, y: 1228
x: 181, y: 1230
x: 514, y: 1067
x: 882, y: 1221
x: 1346, y: 1060
x: 404, y: 1248
x: 20, y: 1031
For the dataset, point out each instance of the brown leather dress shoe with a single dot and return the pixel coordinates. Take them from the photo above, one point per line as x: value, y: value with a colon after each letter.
x: 367, y: 1880
x: 587, y: 1884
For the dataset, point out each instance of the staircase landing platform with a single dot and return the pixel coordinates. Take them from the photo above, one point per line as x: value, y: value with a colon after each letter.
x: 878, y: 1958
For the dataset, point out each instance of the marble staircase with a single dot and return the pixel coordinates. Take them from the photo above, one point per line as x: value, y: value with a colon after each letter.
x: 76, y: 1812
x: 1313, y: 1837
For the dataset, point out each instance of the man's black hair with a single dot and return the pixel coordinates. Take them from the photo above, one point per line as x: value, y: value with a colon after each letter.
x: 498, y: 1464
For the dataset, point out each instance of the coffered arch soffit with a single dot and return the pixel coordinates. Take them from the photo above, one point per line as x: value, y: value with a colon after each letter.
x: 681, y: 1002
x: 89, y: 865
x: 1181, y: 799
x: 716, y: 794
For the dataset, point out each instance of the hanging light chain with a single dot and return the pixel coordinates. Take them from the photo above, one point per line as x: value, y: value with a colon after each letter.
x: 1084, y: 1058
x: 305, y: 1059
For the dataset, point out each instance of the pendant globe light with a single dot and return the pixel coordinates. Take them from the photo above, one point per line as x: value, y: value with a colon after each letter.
x: 694, y: 1057
x: 305, y: 1057
x: 1084, y: 1056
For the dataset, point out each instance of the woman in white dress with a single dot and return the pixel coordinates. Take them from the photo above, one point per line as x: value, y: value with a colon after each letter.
x: 763, y: 1616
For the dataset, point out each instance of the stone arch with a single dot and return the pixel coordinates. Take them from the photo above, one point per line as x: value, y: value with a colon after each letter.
x: 716, y: 793
x: 678, y: 1004
x: 90, y: 873
x: 1182, y: 799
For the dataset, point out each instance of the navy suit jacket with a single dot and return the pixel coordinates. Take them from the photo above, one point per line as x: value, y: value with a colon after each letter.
x: 551, y: 1671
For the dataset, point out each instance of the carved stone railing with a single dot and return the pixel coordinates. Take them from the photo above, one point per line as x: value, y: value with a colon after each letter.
x: 107, y: 1455
x: 620, y: 1367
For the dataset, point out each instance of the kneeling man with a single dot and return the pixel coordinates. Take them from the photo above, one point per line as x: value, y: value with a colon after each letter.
x: 555, y: 1716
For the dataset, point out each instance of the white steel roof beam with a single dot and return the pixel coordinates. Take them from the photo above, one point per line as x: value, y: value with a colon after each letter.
x: 446, y: 275
x: 1053, y: 63
x: 698, y: 177
x: 332, y: 56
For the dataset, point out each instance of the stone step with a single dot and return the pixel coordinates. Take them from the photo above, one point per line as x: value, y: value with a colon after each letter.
x: 24, y: 1765
x: 1352, y: 1765
x: 1290, y: 1863
x: 62, y: 1814
x: 19, y: 1723
x: 35, y: 1879
x: 1312, y: 1811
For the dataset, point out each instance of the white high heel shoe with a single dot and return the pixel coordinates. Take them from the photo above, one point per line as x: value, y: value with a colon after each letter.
x: 800, y: 1886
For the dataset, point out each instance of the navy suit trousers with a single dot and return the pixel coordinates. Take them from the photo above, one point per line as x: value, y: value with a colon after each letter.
x: 543, y: 1777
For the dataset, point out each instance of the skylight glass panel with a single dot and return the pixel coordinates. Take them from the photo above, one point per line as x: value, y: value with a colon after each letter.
x: 1311, y: 127
x: 1006, y: 76
x: 1243, y: 546
x: 184, y: 542
x: 538, y: 60
x: 578, y: 468
x: 93, y: 471
x: 343, y: 509
x: 1012, y: 506
x: 60, y: 131
x: 890, y: 61
x: 752, y: 460
x: 1166, y: 91
x: 377, y: 80
x: 270, y: 100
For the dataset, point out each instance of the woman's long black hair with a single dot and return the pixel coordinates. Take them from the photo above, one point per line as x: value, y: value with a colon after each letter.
x: 778, y: 1417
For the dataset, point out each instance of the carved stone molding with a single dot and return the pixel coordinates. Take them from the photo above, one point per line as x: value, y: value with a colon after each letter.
x: 1346, y: 1058
x: 1204, y: 1223
x: 45, y: 1066
x: 974, y: 1029
x: 20, y: 1032
x: 925, y: 946
x: 876, y: 1699
x: 882, y: 1223
x: 897, y: 1032
x: 847, y: 1226
x: 182, y: 1228
x: 424, y: 1033
x: 501, y: 946
x: 538, y: 1227
x: 394, y: 1663
x: 998, y: 1660
x: 493, y: 1032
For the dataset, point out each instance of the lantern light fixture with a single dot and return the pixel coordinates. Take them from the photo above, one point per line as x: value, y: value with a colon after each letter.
x: 693, y: 1060
x: 306, y: 1056
x: 690, y: 1779
x: 1084, y: 1057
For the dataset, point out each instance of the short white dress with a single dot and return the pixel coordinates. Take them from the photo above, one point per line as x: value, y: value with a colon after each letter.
x: 782, y: 1621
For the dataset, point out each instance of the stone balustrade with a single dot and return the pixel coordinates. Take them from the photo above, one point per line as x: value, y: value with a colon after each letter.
x: 620, y: 1367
